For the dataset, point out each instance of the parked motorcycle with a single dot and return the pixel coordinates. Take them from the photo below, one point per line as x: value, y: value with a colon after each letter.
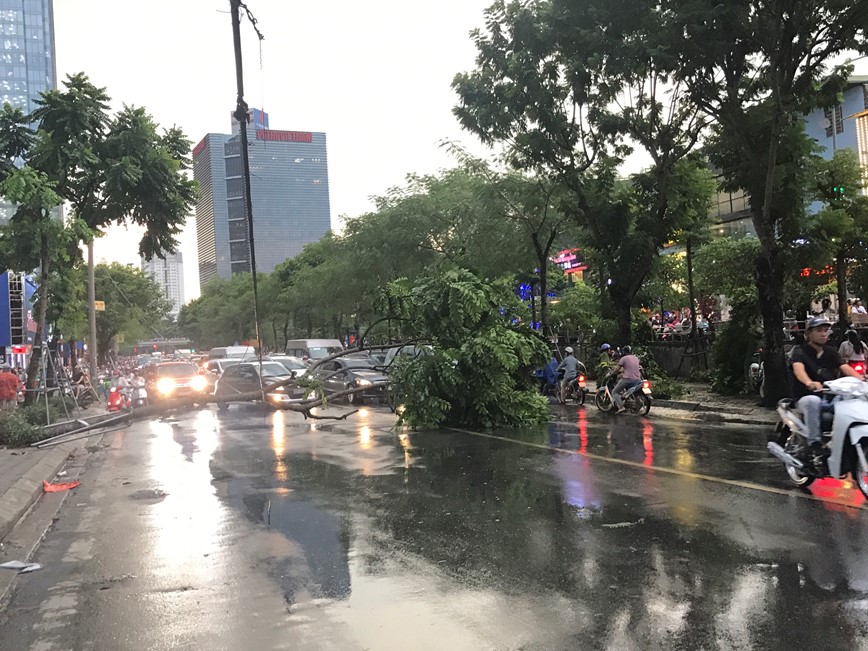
x: 637, y: 399
x: 845, y: 437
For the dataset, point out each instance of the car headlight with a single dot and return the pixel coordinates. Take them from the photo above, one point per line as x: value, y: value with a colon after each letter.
x: 165, y: 385
x: 199, y: 383
x: 363, y: 383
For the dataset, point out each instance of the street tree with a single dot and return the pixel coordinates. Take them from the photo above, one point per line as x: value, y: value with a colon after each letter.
x: 112, y: 169
x: 840, y: 228
x: 134, y: 305
x: 561, y: 86
x: 533, y: 206
x: 755, y: 68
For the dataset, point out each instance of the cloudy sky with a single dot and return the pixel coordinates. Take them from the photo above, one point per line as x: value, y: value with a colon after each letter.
x: 373, y: 75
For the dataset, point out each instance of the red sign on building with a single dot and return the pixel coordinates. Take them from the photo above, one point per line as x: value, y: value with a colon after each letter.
x: 199, y: 147
x: 283, y: 136
x: 571, y: 261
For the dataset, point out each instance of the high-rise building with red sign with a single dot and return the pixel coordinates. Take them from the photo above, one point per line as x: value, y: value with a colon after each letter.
x: 290, y: 192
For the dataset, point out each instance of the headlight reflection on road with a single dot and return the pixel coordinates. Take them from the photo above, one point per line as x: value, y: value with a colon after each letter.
x: 188, y: 524
x: 365, y: 437
x: 278, y: 444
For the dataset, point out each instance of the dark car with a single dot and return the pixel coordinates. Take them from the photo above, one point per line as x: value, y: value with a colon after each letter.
x: 349, y: 373
x: 244, y: 378
x: 174, y: 380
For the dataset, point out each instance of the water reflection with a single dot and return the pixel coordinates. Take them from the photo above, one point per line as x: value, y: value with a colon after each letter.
x: 448, y: 524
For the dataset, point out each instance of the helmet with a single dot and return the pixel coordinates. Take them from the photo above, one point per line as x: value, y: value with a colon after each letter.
x: 569, y: 350
x: 626, y: 350
x: 817, y: 322
x: 605, y: 347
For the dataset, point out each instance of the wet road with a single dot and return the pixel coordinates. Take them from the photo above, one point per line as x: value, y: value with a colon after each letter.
x: 255, y: 530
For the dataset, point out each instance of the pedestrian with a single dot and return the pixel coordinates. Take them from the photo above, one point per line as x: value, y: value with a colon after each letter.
x: 858, y: 308
x: 9, y: 385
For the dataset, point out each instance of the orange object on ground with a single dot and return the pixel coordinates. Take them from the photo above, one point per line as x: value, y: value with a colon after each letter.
x: 56, y: 488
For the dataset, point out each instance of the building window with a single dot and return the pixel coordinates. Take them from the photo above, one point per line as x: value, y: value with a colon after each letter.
x: 865, y: 95
x: 238, y: 251
x: 237, y: 209
x: 238, y: 230
x: 836, y: 122
x: 234, y: 188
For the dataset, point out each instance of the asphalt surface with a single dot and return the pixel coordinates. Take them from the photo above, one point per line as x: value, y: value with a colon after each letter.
x: 257, y: 530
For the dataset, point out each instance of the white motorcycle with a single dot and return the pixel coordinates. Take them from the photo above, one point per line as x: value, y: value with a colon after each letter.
x: 845, y: 437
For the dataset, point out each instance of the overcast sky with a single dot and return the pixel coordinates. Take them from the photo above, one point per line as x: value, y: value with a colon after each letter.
x: 373, y: 75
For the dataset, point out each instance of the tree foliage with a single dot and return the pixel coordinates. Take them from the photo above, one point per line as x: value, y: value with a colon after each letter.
x: 479, y: 372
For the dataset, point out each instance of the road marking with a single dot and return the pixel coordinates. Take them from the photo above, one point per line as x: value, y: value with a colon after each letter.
x: 671, y: 471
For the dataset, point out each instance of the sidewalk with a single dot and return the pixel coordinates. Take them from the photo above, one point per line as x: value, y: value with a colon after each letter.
x: 22, y: 472
x: 701, y: 404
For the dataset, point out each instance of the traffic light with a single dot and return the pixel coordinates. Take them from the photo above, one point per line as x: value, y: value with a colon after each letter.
x: 838, y: 191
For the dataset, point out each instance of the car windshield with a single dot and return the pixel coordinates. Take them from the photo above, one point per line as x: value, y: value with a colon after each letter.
x: 325, y: 351
x: 274, y: 369
x: 176, y: 370
x: 364, y: 364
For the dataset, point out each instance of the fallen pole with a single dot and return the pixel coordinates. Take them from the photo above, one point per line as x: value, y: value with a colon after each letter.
x: 63, y: 438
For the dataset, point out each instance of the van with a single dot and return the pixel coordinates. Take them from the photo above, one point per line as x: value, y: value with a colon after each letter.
x: 231, y: 351
x: 313, y: 348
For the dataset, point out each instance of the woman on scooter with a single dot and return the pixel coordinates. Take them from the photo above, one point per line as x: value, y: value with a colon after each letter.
x: 852, y: 351
x: 814, y: 362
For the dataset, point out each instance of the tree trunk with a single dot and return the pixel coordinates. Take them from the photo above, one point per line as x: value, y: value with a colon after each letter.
x: 91, y: 311
x: 625, y: 325
x: 543, y: 299
x: 35, y: 362
x: 690, y: 289
x: 770, y: 285
x: 841, y: 275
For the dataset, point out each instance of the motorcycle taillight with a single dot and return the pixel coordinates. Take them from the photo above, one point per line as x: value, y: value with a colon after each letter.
x: 646, y: 384
x: 581, y: 378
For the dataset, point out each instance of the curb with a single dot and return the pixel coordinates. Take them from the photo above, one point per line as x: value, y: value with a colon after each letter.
x: 16, y: 501
x: 713, y: 417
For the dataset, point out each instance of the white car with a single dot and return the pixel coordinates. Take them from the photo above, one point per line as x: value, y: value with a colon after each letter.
x: 291, y: 363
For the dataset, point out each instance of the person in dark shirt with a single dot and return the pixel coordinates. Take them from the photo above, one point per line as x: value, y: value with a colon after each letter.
x: 814, y: 362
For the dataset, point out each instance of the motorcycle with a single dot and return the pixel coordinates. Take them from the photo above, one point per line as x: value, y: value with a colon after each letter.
x: 845, y: 437
x: 118, y: 399
x: 756, y: 373
x: 637, y: 399
x: 576, y: 389
x: 139, y: 395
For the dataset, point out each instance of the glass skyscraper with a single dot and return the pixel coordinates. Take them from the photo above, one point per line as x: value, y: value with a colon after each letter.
x: 27, y: 53
x: 290, y: 191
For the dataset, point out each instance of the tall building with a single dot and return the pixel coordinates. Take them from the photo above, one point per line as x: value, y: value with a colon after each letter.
x: 846, y: 125
x: 289, y: 189
x: 27, y: 58
x: 169, y: 275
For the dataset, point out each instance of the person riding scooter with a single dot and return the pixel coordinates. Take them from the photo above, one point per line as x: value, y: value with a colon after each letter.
x: 630, y: 369
x: 813, y: 363
x: 570, y: 366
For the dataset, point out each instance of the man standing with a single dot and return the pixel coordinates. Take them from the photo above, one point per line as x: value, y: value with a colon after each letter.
x: 631, y: 373
x: 9, y: 384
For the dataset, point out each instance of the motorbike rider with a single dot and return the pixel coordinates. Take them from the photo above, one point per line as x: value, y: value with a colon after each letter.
x: 813, y: 363
x: 570, y: 366
x: 629, y: 368
x: 852, y: 349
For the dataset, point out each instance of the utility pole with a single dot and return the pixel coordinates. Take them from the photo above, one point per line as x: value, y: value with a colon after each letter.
x: 241, y: 112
